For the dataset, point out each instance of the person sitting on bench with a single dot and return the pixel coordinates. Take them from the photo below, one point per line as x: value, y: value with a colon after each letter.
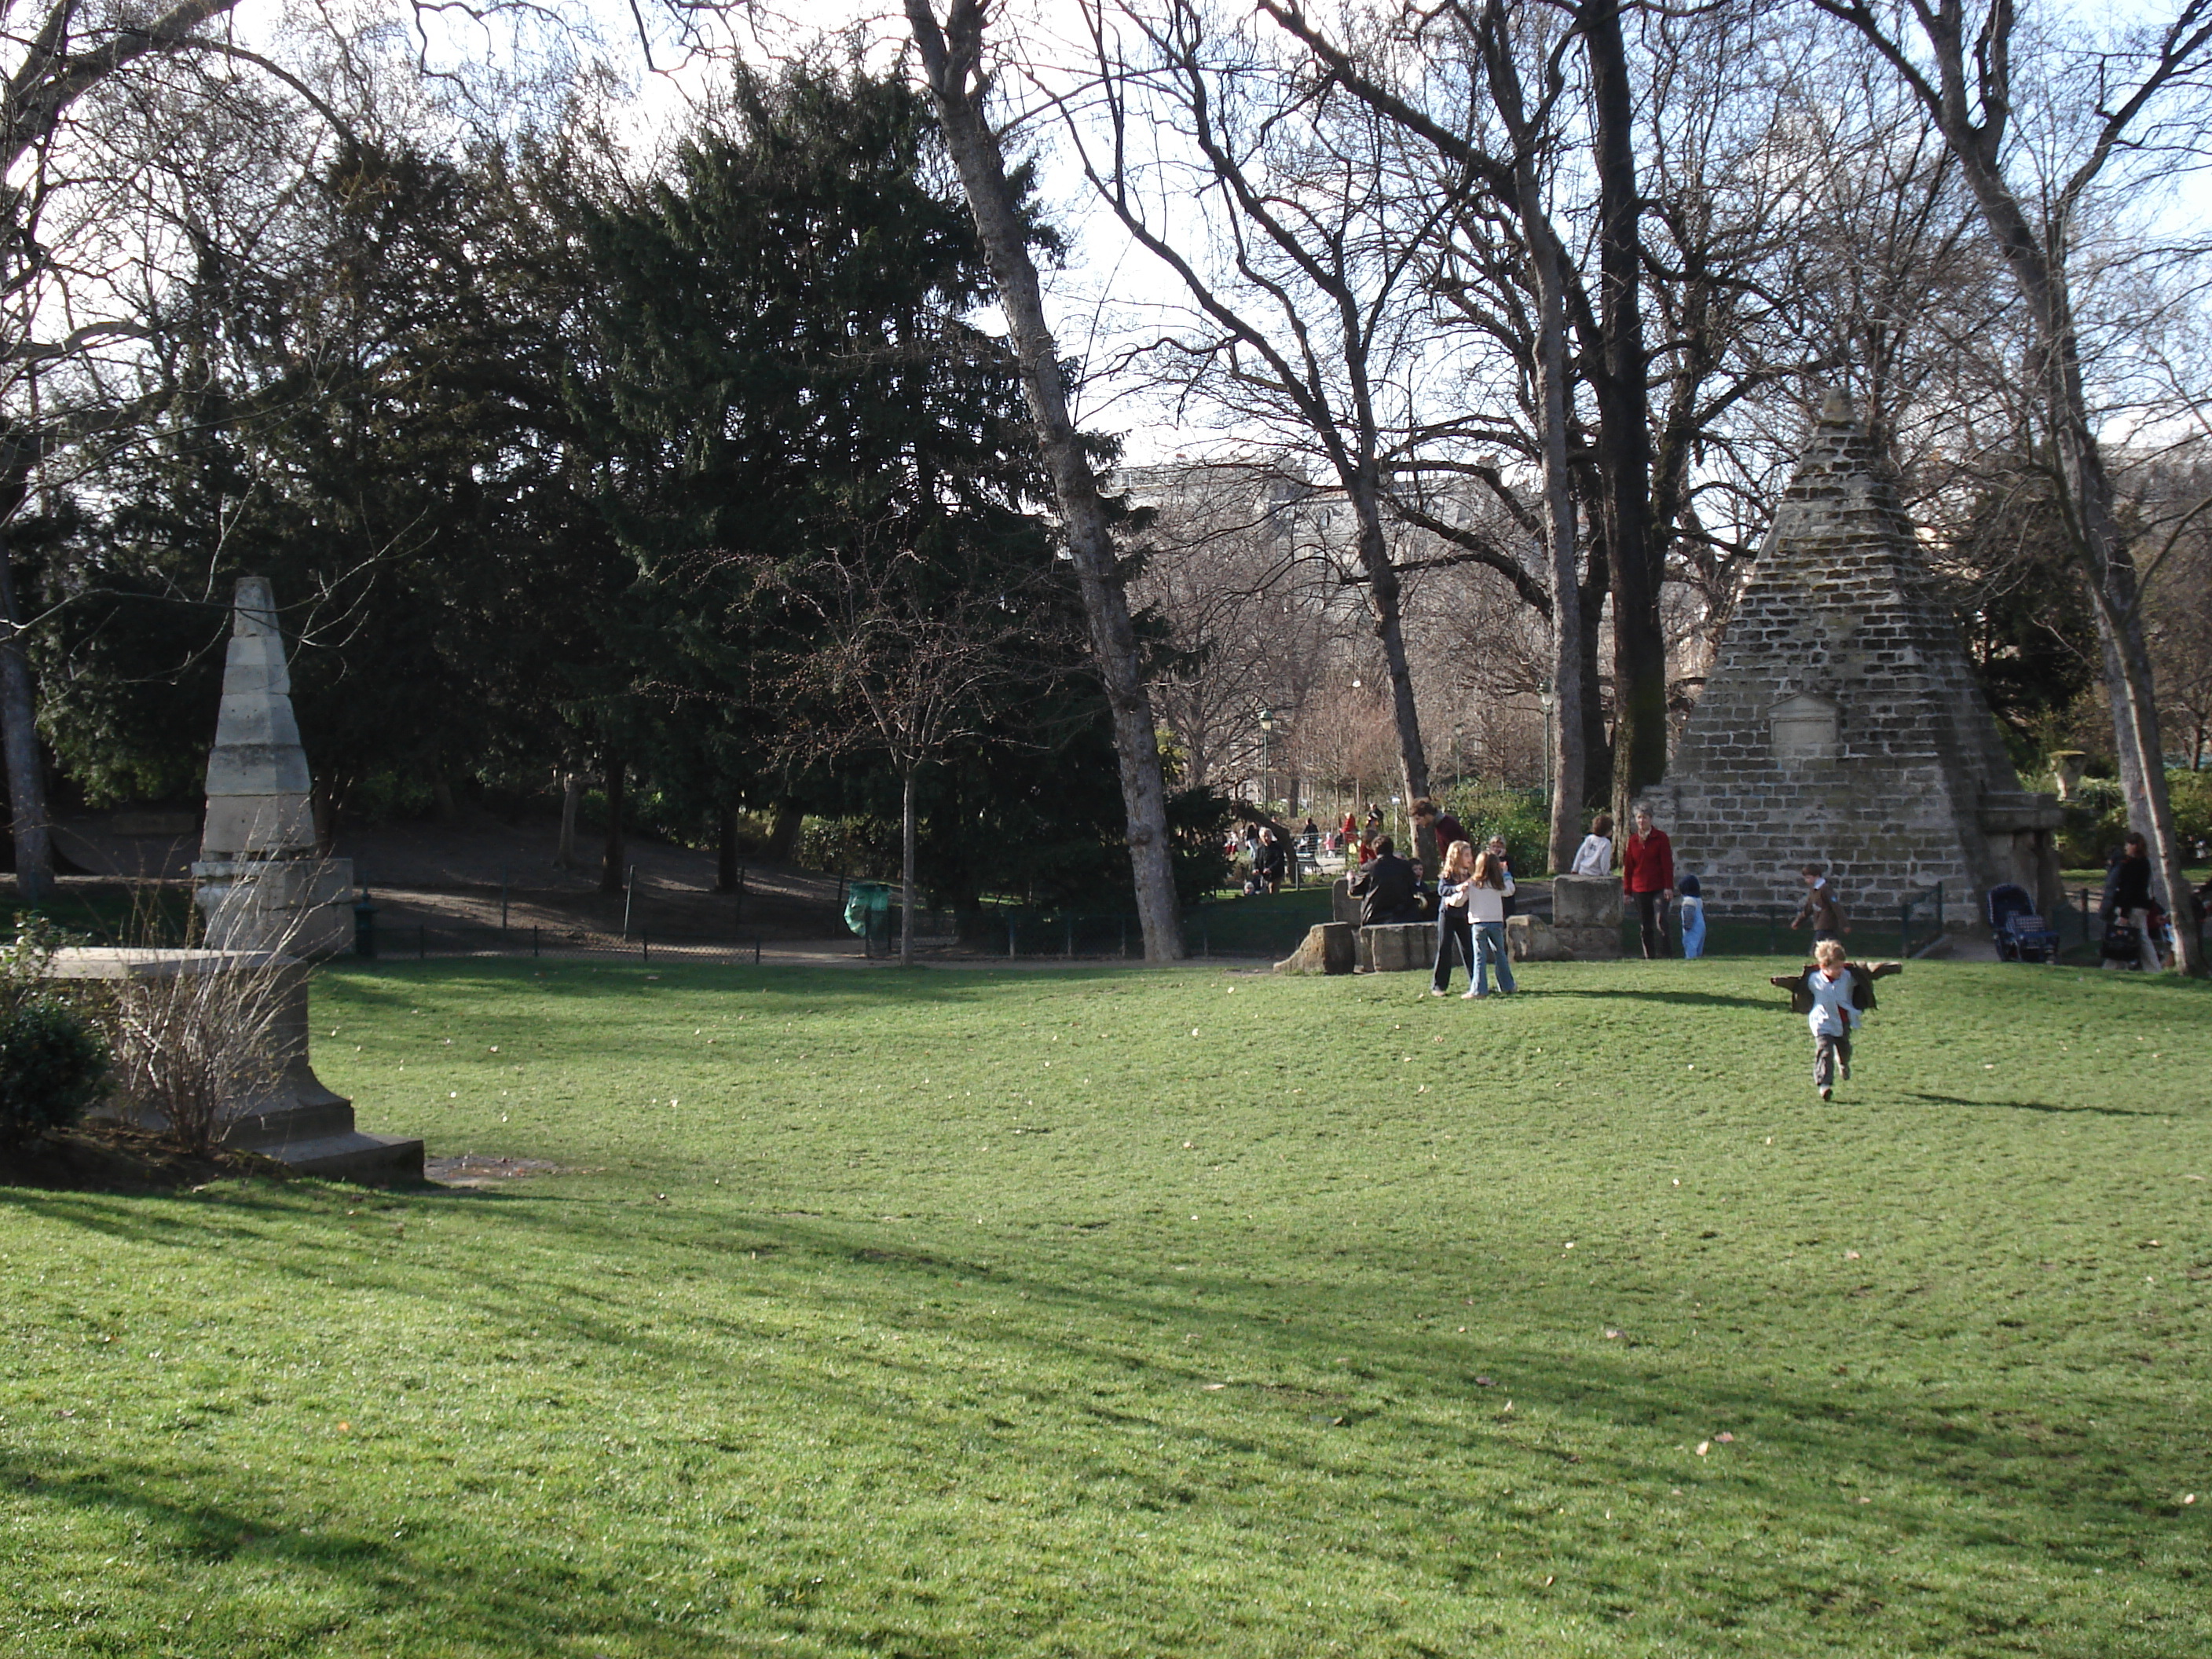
x: 1387, y: 889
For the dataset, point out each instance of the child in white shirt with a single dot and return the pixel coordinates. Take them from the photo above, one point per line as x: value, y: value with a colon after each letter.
x: 1835, y: 1016
x: 1594, y: 856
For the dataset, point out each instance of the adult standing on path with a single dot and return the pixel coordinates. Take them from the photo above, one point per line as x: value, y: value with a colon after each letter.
x: 1647, y: 876
x: 2127, y: 896
x: 1270, y: 861
x: 1434, y: 831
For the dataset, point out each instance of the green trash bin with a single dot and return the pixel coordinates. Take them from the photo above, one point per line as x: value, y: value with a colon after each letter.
x: 868, y: 910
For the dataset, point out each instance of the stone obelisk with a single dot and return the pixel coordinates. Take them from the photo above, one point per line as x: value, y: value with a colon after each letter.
x: 260, y: 882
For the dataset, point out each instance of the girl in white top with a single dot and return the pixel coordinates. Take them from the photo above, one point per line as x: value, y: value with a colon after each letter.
x: 1486, y: 892
x: 1594, y: 856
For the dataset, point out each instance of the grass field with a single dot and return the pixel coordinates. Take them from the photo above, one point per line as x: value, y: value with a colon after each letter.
x: 1191, y: 1312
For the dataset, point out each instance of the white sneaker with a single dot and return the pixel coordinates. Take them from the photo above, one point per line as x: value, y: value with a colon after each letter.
x: 1824, y: 1092
x: 1470, y: 996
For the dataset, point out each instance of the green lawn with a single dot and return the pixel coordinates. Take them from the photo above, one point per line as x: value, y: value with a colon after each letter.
x: 1097, y: 1312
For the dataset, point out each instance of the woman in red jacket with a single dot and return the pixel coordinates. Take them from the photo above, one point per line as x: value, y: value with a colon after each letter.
x: 1647, y: 876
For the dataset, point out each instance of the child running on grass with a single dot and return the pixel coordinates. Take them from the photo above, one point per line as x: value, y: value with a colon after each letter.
x: 1834, y: 1018
x: 1832, y: 994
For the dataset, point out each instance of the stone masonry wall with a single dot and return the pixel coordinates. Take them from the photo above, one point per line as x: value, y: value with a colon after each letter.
x: 1841, y: 724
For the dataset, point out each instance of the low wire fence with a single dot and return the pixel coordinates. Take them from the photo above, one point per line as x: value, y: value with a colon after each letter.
x: 423, y: 941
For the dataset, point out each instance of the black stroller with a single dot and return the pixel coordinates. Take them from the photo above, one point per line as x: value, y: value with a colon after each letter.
x: 2020, y: 934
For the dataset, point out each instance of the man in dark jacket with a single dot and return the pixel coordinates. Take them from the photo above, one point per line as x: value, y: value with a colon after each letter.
x: 2128, y: 898
x: 1387, y: 889
x: 1271, y: 863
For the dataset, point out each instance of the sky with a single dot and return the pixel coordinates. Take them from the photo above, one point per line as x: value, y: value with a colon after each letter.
x: 1105, y: 291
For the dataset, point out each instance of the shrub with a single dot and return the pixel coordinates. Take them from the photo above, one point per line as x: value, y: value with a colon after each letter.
x: 53, y: 1063
x: 1524, y: 816
x: 53, y: 1068
x: 1198, y: 818
x: 2096, y: 819
x: 197, y: 1045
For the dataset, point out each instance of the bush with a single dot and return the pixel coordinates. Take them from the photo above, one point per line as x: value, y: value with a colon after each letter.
x: 2192, y: 811
x: 1198, y: 819
x: 52, y: 1068
x: 863, y: 848
x: 1524, y: 816
x: 2096, y: 819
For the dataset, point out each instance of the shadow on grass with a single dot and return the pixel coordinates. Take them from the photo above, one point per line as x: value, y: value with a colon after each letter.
x: 1261, y: 1381
x: 487, y: 1591
x: 1773, y: 1002
x: 2028, y: 1106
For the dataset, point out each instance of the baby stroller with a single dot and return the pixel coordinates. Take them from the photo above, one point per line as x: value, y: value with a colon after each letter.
x: 2020, y: 934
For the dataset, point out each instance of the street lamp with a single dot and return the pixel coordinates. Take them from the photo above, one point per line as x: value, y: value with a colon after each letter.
x: 1547, y: 699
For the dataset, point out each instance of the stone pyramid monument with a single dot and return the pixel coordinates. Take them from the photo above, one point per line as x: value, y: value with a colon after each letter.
x: 260, y: 882
x: 1842, y: 725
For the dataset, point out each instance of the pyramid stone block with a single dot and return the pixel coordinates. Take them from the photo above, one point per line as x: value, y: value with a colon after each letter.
x: 1842, y: 724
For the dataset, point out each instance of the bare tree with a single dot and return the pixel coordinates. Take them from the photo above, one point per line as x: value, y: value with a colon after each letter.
x: 1238, y: 570
x: 1268, y: 197
x: 899, y: 666
x: 2100, y: 113
x: 951, y: 51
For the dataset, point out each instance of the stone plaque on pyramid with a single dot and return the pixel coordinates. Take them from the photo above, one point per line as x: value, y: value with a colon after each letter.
x: 260, y: 882
x: 1842, y: 725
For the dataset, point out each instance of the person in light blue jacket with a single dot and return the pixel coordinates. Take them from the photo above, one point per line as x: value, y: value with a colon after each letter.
x: 1693, y: 918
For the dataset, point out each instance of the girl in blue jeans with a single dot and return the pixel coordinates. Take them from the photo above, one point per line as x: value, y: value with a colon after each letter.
x: 1486, y: 891
x: 1454, y: 938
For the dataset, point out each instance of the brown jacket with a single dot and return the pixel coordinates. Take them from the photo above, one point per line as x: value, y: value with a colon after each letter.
x: 1862, y: 974
x: 1821, y: 909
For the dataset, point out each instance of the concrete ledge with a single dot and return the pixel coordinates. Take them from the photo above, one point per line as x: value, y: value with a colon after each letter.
x: 298, y: 1122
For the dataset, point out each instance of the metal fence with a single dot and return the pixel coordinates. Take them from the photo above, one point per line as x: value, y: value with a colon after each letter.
x: 423, y: 941
x: 1920, y: 916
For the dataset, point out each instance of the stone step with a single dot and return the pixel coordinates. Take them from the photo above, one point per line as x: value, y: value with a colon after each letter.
x: 350, y: 1155
x: 258, y: 1131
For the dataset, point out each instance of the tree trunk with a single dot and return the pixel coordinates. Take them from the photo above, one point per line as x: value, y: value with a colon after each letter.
x: 783, y: 833
x: 571, y: 796
x: 906, y: 869
x: 610, y: 861
x: 1597, y: 742
x: 2100, y: 546
x: 1385, y: 597
x: 952, y: 59
x: 725, y: 850
x: 1548, y: 273
x: 19, y: 735
x: 1639, y: 648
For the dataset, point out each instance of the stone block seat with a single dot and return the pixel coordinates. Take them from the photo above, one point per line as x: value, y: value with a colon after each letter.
x: 296, y: 1120
x: 1586, y: 912
x: 1329, y: 947
x: 1398, y: 948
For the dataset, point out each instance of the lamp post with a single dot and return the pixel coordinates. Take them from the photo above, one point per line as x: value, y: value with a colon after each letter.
x: 1547, y: 699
